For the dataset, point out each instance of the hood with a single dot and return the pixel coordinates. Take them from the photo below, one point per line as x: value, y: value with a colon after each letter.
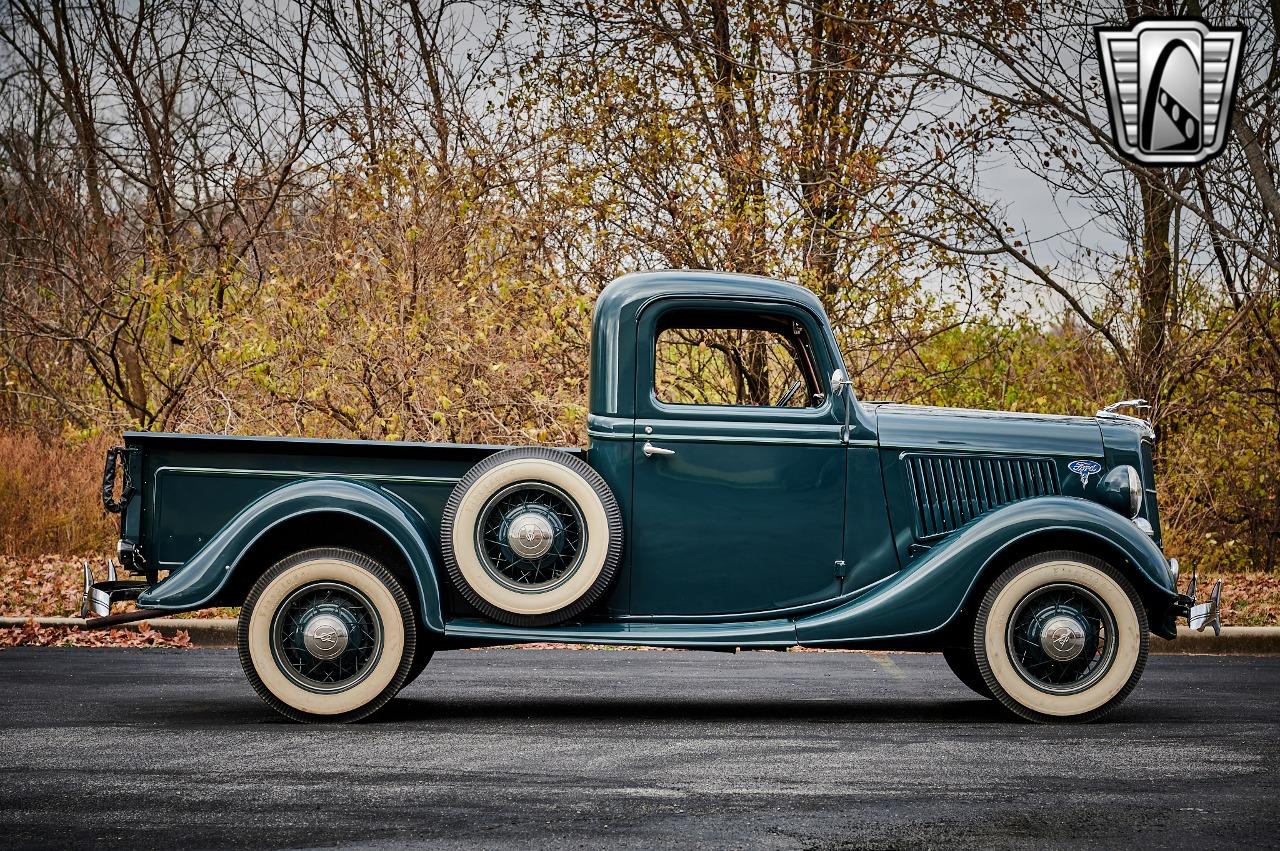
x: 963, y: 429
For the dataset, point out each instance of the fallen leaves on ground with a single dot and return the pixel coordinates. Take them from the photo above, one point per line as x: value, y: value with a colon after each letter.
x: 51, y: 586
x: 32, y: 634
x: 1248, y: 599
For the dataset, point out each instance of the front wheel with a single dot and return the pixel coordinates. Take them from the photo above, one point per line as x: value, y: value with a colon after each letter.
x: 962, y: 663
x: 327, y: 635
x: 1061, y: 636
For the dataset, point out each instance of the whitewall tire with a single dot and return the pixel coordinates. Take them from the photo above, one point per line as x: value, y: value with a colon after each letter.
x: 327, y: 635
x: 531, y: 536
x: 1061, y: 636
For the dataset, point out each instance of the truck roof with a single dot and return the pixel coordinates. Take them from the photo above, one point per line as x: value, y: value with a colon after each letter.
x: 613, y: 328
x: 639, y: 287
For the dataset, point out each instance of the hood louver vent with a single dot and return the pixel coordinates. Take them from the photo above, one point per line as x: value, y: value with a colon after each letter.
x: 951, y: 490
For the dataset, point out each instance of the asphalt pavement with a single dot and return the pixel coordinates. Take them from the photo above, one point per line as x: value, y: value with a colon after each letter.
x: 599, y: 749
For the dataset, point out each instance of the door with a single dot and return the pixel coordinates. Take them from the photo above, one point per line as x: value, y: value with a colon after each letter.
x: 739, y: 471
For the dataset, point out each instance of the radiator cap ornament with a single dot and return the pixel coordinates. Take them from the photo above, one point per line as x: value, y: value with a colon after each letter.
x: 1084, y: 468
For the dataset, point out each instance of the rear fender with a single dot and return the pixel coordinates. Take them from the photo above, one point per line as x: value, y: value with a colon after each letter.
x: 929, y: 594
x: 198, y: 582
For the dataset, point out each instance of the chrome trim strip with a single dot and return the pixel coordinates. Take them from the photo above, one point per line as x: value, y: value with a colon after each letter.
x: 609, y: 435
x: 966, y: 452
x: 298, y: 474
x: 706, y: 438
x: 701, y: 438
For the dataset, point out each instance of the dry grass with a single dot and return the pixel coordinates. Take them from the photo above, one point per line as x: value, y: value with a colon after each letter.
x: 50, y: 496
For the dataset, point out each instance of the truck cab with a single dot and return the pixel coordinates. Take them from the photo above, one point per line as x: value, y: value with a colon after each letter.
x: 712, y: 406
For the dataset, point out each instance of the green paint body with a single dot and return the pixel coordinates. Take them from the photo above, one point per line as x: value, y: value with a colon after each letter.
x: 769, y: 527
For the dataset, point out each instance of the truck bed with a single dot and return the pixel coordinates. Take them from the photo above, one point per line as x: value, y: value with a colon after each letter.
x: 190, y: 485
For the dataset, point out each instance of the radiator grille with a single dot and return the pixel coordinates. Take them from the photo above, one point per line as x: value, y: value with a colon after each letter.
x: 951, y: 490
x: 1150, y: 503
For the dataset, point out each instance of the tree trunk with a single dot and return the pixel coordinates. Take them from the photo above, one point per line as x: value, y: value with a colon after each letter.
x: 1155, y: 289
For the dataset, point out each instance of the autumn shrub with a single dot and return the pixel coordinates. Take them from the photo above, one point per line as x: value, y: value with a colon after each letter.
x: 419, y: 322
x: 1220, y: 490
x: 49, y: 496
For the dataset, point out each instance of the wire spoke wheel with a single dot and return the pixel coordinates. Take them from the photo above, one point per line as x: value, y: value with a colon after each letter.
x: 530, y: 536
x: 1062, y: 638
x: 326, y: 636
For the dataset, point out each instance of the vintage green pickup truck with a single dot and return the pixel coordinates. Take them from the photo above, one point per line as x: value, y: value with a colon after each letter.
x: 734, y: 495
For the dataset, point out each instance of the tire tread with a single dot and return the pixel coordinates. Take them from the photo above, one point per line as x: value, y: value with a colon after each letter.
x: 962, y: 663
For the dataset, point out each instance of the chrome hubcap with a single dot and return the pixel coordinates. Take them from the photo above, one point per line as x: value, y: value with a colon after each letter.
x: 1062, y: 638
x: 530, y: 535
x: 325, y: 637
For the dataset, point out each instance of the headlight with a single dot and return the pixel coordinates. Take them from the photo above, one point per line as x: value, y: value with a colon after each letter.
x: 1135, y: 491
x: 1121, y: 489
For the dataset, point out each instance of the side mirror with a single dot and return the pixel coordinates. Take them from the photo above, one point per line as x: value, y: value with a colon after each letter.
x: 839, y: 381
x: 839, y: 385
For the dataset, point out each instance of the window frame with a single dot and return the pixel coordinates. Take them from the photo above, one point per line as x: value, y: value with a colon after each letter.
x: 814, y: 345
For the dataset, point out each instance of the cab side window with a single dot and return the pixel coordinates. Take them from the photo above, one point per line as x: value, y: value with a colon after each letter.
x: 760, y: 361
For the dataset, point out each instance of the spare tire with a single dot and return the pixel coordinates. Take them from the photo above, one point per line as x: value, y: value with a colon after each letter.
x: 531, y: 536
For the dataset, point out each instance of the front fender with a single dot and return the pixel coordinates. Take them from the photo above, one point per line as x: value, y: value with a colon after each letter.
x: 927, y: 595
x: 198, y: 582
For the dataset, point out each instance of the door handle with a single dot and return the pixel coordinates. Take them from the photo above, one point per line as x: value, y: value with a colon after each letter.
x: 650, y: 450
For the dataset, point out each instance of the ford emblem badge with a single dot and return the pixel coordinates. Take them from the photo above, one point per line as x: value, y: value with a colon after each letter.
x: 1085, y: 468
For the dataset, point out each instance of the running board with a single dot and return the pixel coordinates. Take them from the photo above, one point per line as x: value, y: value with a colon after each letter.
x: 704, y: 636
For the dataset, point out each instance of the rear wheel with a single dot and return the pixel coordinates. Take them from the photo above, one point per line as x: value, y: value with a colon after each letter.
x: 420, y: 660
x: 1061, y: 636
x: 327, y: 635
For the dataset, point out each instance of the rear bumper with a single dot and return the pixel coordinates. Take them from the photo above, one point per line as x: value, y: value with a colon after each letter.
x: 98, y: 597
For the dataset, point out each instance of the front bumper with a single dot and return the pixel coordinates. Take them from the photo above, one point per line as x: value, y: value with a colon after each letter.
x: 1200, y: 616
